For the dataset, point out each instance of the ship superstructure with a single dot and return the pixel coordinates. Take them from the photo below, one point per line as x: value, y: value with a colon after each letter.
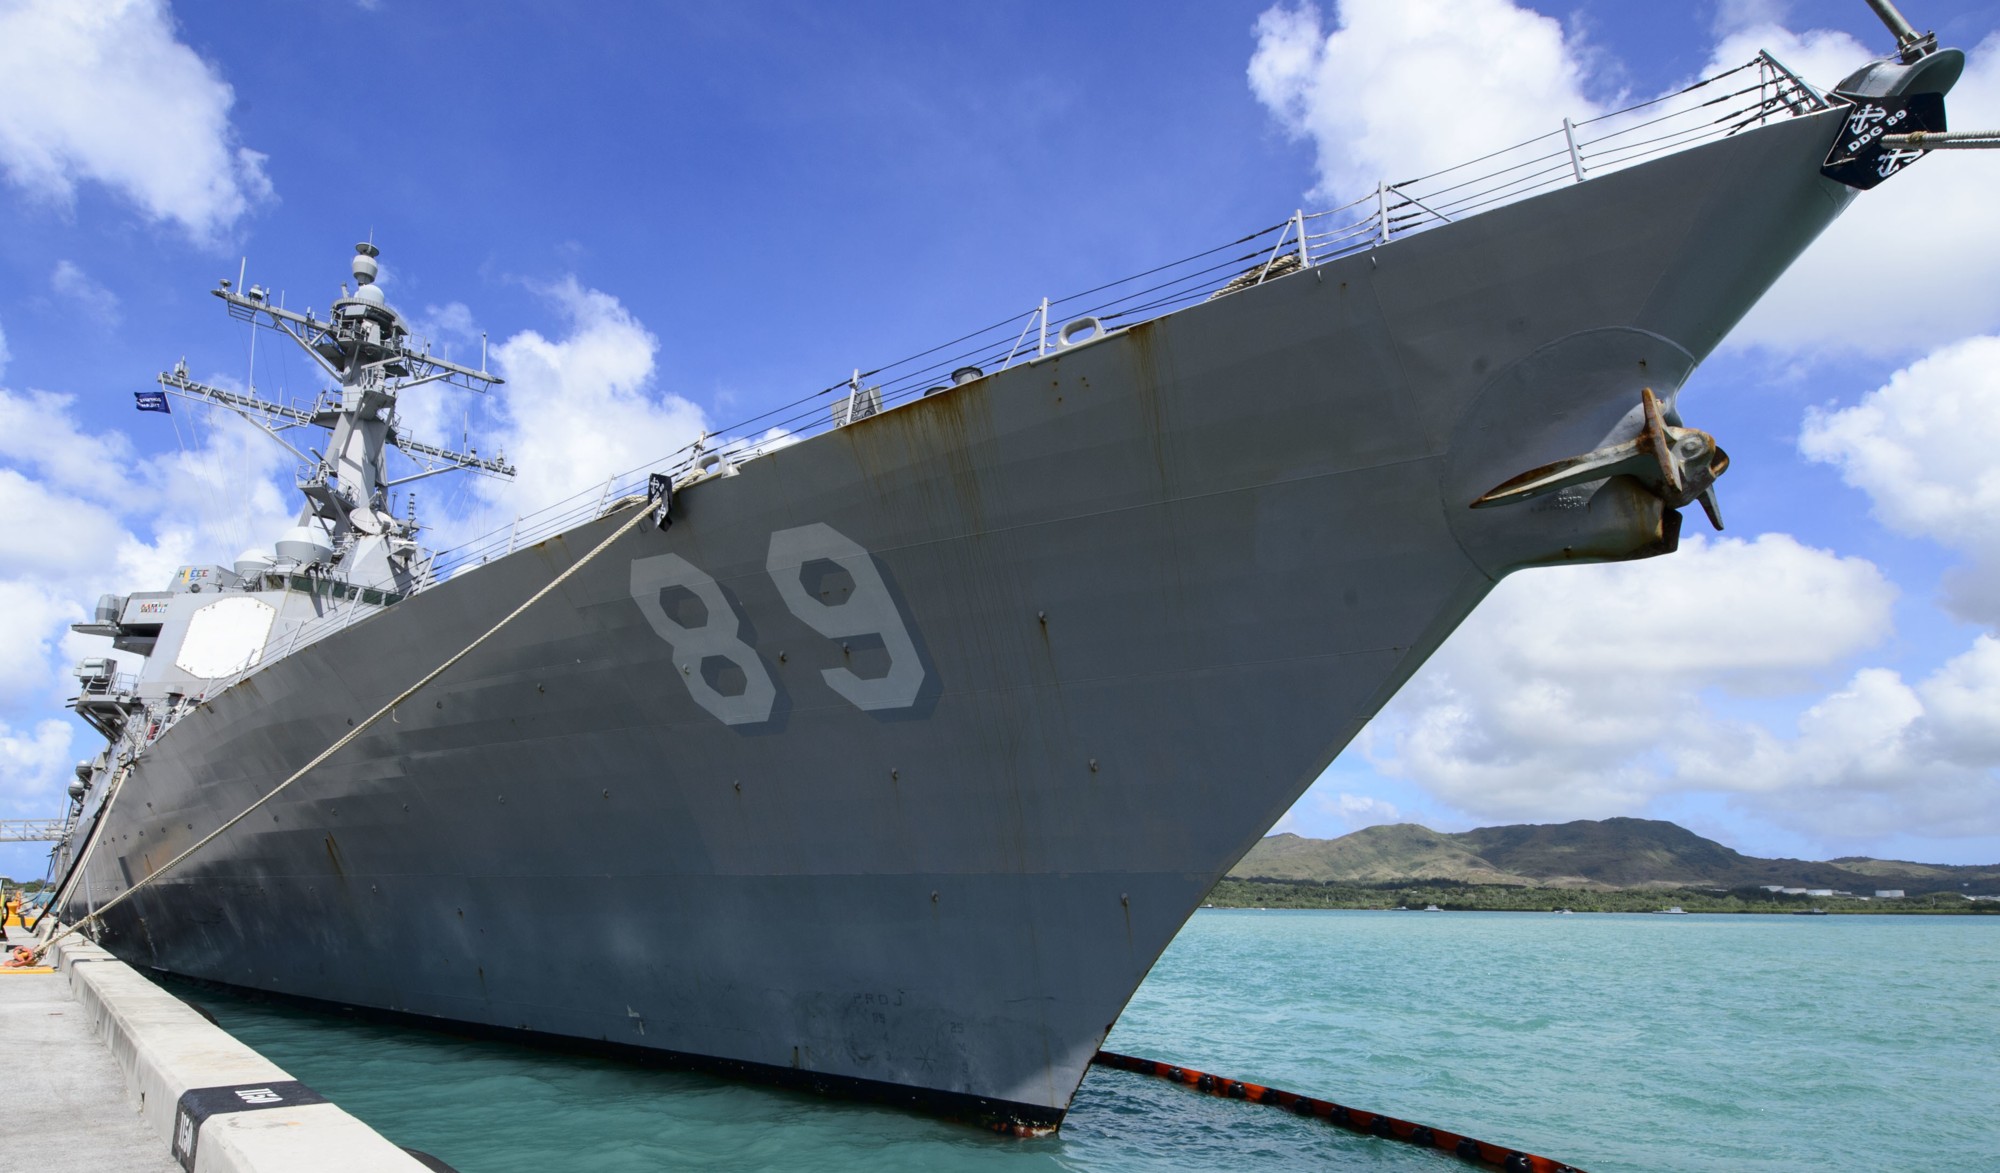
x: 346, y: 556
x: 889, y: 760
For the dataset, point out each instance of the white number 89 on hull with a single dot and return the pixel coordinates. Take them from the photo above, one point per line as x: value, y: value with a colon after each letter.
x: 870, y: 610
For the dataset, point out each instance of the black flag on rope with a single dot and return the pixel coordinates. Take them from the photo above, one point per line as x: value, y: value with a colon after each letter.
x: 660, y: 491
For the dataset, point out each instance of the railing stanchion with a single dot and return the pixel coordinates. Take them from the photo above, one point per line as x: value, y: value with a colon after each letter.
x: 1382, y: 212
x: 1278, y: 249
x: 1575, y: 156
x: 1299, y: 222
x: 1042, y: 348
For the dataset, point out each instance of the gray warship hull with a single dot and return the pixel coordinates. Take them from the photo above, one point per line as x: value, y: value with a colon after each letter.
x: 1123, y: 604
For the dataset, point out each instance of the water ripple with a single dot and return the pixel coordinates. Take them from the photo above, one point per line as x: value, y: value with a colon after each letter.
x: 1701, y: 1043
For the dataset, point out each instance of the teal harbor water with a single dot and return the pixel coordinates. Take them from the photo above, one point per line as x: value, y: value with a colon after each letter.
x: 1612, y: 1042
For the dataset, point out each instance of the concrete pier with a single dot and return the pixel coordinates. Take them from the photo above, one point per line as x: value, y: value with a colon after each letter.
x: 108, y: 1072
x: 63, y: 1099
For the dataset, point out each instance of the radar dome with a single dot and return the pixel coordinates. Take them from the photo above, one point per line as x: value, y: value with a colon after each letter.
x: 305, y: 545
x: 365, y: 270
x: 251, y: 563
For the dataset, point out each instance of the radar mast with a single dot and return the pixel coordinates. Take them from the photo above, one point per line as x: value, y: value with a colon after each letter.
x: 365, y: 346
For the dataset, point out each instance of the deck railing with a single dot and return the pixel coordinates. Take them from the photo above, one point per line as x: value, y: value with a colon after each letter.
x: 1716, y: 107
x: 1728, y: 103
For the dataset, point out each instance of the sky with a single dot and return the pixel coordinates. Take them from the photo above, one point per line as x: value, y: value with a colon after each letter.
x: 664, y: 219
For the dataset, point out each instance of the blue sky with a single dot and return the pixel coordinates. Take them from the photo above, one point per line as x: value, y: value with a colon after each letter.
x: 670, y: 218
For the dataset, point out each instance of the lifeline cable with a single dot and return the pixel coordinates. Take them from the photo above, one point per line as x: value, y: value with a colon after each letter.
x: 641, y: 512
x: 1372, y: 1123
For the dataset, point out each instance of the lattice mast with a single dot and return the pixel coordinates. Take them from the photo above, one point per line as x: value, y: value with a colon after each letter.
x: 365, y: 346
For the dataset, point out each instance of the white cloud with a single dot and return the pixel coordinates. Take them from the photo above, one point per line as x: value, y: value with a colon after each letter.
x: 48, y: 532
x: 1401, y: 89
x: 772, y: 440
x: 1879, y: 755
x: 1910, y: 264
x: 1368, y: 95
x: 576, y: 409
x: 438, y: 414
x: 4, y: 354
x: 31, y: 637
x: 225, y: 488
x: 1820, y: 56
x: 219, y: 488
x: 1733, y: 16
x: 1918, y: 447
x: 1962, y: 707
x: 451, y: 322
x: 89, y: 517
x: 81, y: 290
x: 1594, y: 692
x: 105, y: 92
x: 38, y: 430
x: 1360, y: 810
x: 1562, y: 693
x: 34, y: 763
x: 581, y: 407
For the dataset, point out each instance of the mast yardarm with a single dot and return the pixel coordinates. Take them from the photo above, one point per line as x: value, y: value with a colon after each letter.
x: 365, y: 346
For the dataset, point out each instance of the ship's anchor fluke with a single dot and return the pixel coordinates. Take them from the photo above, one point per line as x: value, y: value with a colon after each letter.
x: 1678, y: 465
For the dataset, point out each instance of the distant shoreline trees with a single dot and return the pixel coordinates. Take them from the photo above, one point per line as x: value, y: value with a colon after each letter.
x: 1456, y: 896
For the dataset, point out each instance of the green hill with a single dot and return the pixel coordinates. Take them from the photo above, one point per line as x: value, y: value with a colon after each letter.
x: 1401, y: 851
x: 1588, y: 853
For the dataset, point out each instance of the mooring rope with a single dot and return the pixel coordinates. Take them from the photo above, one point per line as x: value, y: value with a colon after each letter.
x: 1372, y: 1123
x: 73, y: 875
x: 640, y: 513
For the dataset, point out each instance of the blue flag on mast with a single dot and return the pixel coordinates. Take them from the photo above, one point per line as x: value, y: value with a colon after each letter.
x: 152, y: 401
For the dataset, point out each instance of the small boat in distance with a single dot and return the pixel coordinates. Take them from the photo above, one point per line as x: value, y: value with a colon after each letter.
x: 1432, y: 908
x: 1676, y: 910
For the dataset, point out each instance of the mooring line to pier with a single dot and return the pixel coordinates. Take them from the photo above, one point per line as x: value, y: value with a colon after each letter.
x: 642, y: 511
x: 73, y: 875
x: 1372, y: 1123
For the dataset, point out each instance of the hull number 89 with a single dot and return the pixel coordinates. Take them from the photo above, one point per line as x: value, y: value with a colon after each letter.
x: 715, y: 631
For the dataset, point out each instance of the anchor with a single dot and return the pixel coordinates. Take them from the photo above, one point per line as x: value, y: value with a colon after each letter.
x: 1678, y: 465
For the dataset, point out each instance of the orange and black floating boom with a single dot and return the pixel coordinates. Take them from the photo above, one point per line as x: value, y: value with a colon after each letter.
x: 1372, y: 1123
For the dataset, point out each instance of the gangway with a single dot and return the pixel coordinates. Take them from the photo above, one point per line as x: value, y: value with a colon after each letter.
x: 32, y: 830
